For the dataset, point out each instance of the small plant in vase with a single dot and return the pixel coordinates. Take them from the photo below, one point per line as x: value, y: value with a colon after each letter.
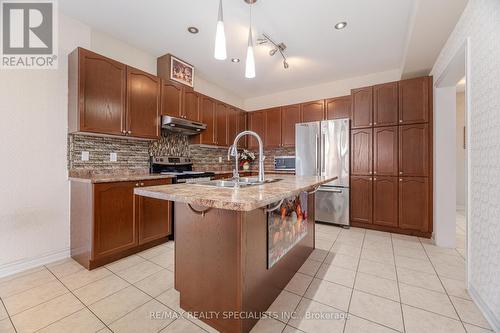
x: 245, y: 158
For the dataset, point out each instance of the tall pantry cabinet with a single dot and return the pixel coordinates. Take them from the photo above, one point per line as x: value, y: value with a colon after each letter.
x: 391, y: 157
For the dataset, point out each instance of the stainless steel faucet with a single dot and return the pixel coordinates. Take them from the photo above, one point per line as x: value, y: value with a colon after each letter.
x: 233, y: 151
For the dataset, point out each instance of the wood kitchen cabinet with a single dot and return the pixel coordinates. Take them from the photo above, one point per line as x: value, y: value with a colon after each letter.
x: 415, y: 100
x: 414, y: 204
x: 242, y: 126
x: 273, y: 128
x: 171, y: 99
x: 385, y: 104
x: 361, y: 151
x: 97, y: 93
x: 108, y: 222
x: 414, y: 150
x: 385, y: 201
x: 338, y: 107
x: 256, y: 123
x: 361, y: 201
x: 232, y: 125
x: 143, y: 104
x: 221, y: 115
x: 362, y: 107
x: 385, y: 151
x: 312, y: 111
x: 207, y: 116
x: 191, y: 105
x: 290, y: 115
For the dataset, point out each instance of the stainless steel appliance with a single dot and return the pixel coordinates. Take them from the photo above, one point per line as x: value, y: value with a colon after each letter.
x: 322, y: 149
x: 284, y: 163
x: 181, y: 168
x: 180, y: 125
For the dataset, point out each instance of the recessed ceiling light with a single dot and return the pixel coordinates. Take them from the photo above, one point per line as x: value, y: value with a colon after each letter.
x: 193, y: 30
x: 235, y: 60
x: 340, y: 25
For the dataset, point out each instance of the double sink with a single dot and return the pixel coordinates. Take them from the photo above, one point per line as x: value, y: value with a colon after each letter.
x: 240, y: 182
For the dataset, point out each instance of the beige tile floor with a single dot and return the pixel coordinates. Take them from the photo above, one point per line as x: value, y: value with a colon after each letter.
x: 380, y: 282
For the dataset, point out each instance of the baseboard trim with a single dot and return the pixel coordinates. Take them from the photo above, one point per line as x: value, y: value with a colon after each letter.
x: 487, y: 312
x: 25, y: 264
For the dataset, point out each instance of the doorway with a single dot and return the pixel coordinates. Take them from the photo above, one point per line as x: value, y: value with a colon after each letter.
x: 461, y: 158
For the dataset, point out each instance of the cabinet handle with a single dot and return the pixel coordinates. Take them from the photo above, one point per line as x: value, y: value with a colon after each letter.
x: 374, y: 178
x: 129, y: 132
x: 136, y: 184
x: 400, y: 120
x: 142, y: 184
x: 374, y: 123
x: 374, y: 172
x: 400, y: 179
x: 400, y: 172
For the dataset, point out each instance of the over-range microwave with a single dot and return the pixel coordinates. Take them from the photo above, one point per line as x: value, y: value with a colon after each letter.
x: 284, y: 163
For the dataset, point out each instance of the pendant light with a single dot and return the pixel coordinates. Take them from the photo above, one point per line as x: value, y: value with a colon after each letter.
x: 220, y: 37
x: 250, y: 61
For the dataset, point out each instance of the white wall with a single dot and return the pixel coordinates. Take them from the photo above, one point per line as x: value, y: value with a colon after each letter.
x: 460, y: 151
x: 34, y: 196
x: 321, y: 91
x: 480, y: 22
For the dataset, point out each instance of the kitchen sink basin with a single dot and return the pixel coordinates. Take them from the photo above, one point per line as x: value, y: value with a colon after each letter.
x: 242, y: 182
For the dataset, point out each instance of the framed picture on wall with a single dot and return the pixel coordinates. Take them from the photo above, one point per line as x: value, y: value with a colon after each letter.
x: 181, y: 71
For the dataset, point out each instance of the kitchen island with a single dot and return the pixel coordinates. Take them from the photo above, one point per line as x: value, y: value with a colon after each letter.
x: 237, y: 248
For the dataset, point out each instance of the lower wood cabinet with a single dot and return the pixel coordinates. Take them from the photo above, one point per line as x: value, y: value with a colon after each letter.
x: 414, y: 204
x: 385, y: 201
x: 361, y: 200
x: 108, y: 222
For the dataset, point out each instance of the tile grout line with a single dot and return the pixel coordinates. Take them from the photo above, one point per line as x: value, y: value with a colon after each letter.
x: 8, y: 315
x: 354, y: 283
x: 397, y: 284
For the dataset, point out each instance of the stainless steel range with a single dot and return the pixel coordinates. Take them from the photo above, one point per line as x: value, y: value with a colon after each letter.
x: 180, y: 167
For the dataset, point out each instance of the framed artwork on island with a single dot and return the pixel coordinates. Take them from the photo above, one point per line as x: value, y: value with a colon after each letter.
x: 181, y: 71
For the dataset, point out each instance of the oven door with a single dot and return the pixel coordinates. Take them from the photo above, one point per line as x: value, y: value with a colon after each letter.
x: 332, y: 205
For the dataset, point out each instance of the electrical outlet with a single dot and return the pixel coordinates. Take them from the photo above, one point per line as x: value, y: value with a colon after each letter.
x: 113, y: 157
x: 85, y: 156
x: 220, y: 159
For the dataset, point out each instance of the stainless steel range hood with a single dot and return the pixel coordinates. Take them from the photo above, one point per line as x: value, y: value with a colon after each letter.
x: 182, y: 126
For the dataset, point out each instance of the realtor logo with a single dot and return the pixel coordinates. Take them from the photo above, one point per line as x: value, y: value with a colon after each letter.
x: 29, y: 34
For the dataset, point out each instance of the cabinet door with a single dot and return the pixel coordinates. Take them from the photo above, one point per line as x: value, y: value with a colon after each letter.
x: 313, y: 111
x: 102, y: 94
x: 385, y: 104
x: 273, y: 128
x: 171, y: 99
x: 385, y: 151
x: 242, y: 126
x: 362, y: 107
x: 414, y: 203
x: 190, y: 105
x: 339, y: 107
x: 290, y: 115
x: 414, y: 150
x: 232, y: 125
x: 207, y: 116
x: 143, y: 104
x: 153, y: 216
x: 385, y: 201
x: 256, y: 123
x: 361, y: 152
x: 414, y: 100
x: 361, y: 199
x: 221, y: 113
x: 114, y: 227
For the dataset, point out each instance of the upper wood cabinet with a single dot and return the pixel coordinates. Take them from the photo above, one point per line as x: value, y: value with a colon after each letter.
x: 207, y: 116
x: 385, y: 151
x: 232, y: 125
x: 339, y: 107
x: 385, y: 104
x: 273, y: 128
x: 414, y: 150
x: 171, y: 99
x: 385, y: 201
x: 143, y: 104
x: 415, y: 100
x: 221, y: 115
x: 97, y: 93
x: 290, y: 115
x: 361, y: 201
x: 242, y: 126
x: 414, y: 204
x: 362, y: 107
x: 256, y: 123
x: 361, y: 151
x: 312, y: 111
x: 191, y: 105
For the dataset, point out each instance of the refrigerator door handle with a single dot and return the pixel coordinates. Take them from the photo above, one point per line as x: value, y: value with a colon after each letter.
x: 328, y: 190
x: 323, y: 157
x: 316, y: 165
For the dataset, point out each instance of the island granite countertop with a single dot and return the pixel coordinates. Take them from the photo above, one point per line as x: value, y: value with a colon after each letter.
x: 242, y: 199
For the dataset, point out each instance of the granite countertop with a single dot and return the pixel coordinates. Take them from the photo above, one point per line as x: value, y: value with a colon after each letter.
x: 222, y: 172
x: 243, y: 199
x: 115, y: 176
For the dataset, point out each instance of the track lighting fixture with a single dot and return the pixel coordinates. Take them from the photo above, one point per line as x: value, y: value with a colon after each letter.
x: 277, y: 47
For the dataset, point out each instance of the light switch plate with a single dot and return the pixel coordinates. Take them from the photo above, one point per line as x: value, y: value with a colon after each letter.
x: 220, y: 159
x: 113, y: 157
x: 85, y: 156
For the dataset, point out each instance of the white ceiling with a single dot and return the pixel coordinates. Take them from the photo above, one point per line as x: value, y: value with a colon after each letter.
x: 375, y: 40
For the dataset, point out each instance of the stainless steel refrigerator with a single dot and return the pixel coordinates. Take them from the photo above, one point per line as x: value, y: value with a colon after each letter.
x: 322, y: 149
